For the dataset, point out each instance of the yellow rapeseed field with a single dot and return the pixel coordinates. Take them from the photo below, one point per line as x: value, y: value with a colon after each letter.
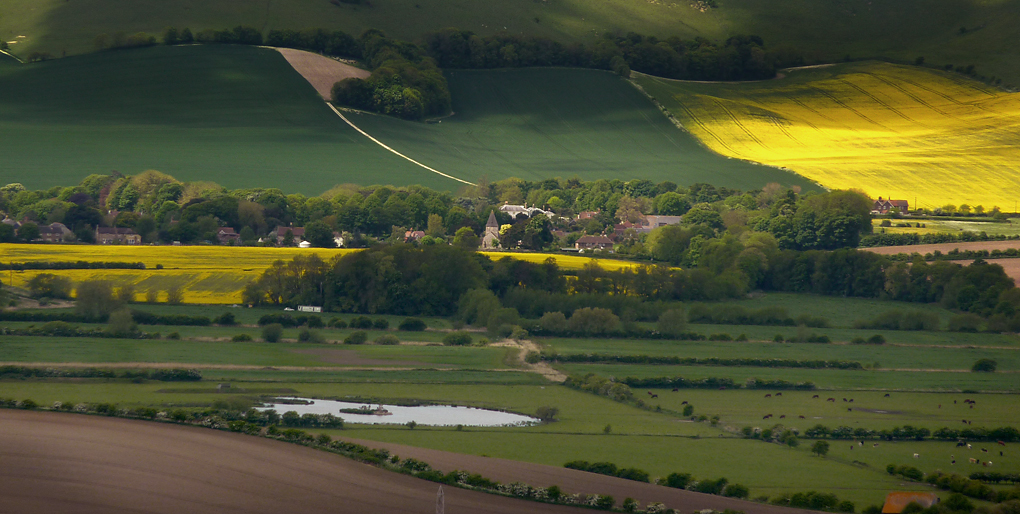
x: 892, y: 131
x: 207, y: 274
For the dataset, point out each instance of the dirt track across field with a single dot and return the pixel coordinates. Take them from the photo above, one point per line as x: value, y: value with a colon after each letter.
x: 574, y: 481
x: 70, y: 463
x: 320, y: 71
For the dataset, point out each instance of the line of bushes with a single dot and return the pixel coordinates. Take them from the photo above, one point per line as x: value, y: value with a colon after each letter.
x: 908, y: 432
x: 996, y: 477
x: 140, y: 317
x: 969, y: 487
x: 19, y: 266
x: 602, y: 358
x: 730, y: 314
x: 161, y: 375
x: 874, y: 240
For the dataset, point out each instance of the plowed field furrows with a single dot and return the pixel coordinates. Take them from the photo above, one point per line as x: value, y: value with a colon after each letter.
x: 71, y: 463
x: 207, y: 274
x: 945, y: 247
x: 892, y: 131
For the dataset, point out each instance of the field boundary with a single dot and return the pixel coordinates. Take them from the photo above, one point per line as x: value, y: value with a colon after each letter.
x: 398, y: 154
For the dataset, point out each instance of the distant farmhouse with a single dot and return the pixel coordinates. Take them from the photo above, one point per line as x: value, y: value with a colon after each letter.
x: 646, y: 224
x: 593, y: 243
x: 884, y: 206
x: 113, y: 235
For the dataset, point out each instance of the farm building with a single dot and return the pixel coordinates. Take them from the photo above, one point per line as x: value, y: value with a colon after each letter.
x: 227, y: 235
x: 490, y: 241
x: 594, y: 243
x: 112, y: 235
x: 884, y: 206
x: 280, y: 233
x: 896, y: 501
x: 54, y: 232
x: 413, y: 235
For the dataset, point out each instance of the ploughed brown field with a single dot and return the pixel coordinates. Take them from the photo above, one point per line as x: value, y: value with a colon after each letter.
x: 945, y: 247
x: 69, y: 463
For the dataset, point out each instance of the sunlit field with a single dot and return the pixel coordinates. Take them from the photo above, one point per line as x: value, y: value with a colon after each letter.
x: 928, y: 137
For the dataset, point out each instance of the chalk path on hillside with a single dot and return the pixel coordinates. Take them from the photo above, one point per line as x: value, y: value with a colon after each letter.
x: 380, y: 143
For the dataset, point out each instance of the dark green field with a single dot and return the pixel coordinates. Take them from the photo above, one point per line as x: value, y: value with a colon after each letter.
x: 822, y: 29
x: 242, y: 117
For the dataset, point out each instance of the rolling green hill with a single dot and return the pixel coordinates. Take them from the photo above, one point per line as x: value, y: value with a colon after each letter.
x: 241, y: 116
x: 822, y: 29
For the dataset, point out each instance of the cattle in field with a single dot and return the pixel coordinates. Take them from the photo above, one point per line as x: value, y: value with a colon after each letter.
x: 815, y: 396
x: 768, y: 396
x: 917, y: 456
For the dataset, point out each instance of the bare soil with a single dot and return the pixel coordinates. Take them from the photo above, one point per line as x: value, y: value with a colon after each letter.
x: 573, y: 481
x: 320, y: 71
x: 542, y: 368
x: 945, y: 247
x: 1010, y: 266
x: 69, y: 463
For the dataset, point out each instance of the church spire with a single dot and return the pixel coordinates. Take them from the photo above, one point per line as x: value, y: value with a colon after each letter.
x: 492, y: 220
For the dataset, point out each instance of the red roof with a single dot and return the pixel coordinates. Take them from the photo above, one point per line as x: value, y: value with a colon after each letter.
x: 896, y: 501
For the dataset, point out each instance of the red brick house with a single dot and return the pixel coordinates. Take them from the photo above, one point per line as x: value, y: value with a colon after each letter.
x: 594, y: 243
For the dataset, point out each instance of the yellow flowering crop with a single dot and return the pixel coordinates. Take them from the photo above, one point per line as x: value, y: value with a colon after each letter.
x: 207, y: 274
x: 892, y: 131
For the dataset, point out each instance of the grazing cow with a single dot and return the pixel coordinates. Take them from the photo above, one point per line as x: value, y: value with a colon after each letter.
x: 874, y: 445
x: 989, y: 463
x: 782, y: 416
x: 861, y: 443
x: 779, y: 394
x: 649, y: 393
x: 953, y: 462
x: 954, y: 402
x: 916, y: 456
x: 815, y: 396
x: 940, y: 405
x: 655, y: 396
x: 831, y: 400
x: 969, y: 446
x: 767, y: 416
x: 886, y: 395
x: 984, y: 450
x: 964, y: 422
x: 675, y: 389
x: 802, y: 417
x: 851, y: 447
x: 683, y: 402
x: 961, y: 443
x: 768, y: 395
x: 1001, y: 443
x: 844, y: 399
x: 973, y: 461
x: 851, y: 400
x: 985, y: 464
x: 848, y: 409
x: 1000, y: 454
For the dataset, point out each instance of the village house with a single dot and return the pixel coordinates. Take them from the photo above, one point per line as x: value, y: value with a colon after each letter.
x: 587, y: 215
x: 884, y: 206
x: 227, y: 235
x: 54, y: 232
x: 280, y: 234
x: 593, y: 243
x: 413, y: 235
x: 113, y: 235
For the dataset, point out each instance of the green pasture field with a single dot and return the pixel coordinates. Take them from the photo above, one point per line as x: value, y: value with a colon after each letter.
x: 86, y: 350
x: 870, y: 409
x: 841, y: 312
x: 380, y: 376
x: 824, y: 379
x: 547, y: 122
x: 238, y: 116
x: 888, y: 356
x: 241, y: 117
x: 822, y: 30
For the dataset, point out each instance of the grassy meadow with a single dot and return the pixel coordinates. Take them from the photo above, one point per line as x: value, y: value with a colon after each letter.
x: 207, y: 274
x: 826, y: 30
x: 926, y: 136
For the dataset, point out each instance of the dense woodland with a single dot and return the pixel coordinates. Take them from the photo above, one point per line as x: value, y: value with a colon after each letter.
x: 407, y: 79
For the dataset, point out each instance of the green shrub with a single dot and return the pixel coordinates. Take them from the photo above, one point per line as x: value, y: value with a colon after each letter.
x: 967, y: 322
x: 310, y: 336
x: 387, y: 339
x: 547, y: 413
x: 984, y: 366
x: 381, y: 324
x: 225, y: 319
x: 361, y: 322
x: 736, y: 491
x: 459, y: 338
x: 358, y: 337
x: 241, y: 338
x: 315, y: 322
x: 720, y: 337
x: 876, y: 339
x: 412, y: 325
x: 337, y: 323
x: 272, y: 332
x: 173, y: 335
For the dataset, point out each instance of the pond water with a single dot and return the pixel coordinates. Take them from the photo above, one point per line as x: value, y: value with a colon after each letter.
x: 435, y: 415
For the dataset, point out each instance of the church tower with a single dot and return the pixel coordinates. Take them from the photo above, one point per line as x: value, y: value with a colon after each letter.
x: 490, y: 241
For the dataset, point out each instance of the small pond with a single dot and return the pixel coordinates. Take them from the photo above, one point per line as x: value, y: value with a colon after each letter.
x: 436, y: 415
